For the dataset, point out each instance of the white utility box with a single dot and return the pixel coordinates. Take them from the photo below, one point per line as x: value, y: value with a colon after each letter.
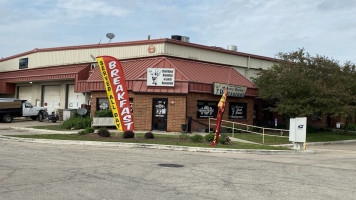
x: 298, y: 131
x: 68, y: 113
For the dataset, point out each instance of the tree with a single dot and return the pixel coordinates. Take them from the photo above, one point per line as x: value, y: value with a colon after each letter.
x: 302, y: 85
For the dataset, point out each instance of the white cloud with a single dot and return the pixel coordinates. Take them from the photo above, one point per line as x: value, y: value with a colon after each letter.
x: 260, y: 27
x: 89, y: 8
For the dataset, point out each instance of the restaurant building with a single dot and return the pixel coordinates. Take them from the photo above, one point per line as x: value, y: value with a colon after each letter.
x: 170, y: 82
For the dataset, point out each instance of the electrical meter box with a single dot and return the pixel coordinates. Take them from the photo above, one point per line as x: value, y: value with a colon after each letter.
x: 298, y: 129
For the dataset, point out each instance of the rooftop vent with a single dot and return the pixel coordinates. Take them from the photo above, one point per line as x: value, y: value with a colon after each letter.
x: 180, y: 38
x: 232, y: 47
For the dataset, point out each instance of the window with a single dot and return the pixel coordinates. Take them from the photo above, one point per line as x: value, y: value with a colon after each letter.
x: 28, y: 105
x: 131, y: 104
x: 207, y: 109
x: 237, y: 110
x: 23, y: 63
x: 102, y: 103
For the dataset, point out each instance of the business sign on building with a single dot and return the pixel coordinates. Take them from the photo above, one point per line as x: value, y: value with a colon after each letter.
x: 237, y: 110
x: 233, y: 91
x: 160, y: 77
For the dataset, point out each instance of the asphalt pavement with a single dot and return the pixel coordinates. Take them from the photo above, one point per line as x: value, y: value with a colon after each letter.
x: 35, y: 171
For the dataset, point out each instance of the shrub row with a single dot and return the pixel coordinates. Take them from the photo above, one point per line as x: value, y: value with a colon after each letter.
x: 77, y: 123
x: 103, y: 113
x: 86, y: 131
x: 210, y: 138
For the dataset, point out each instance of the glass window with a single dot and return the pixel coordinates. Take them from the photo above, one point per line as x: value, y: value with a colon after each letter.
x: 237, y: 110
x: 102, y: 103
x: 207, y: 109
x: 131, y: 105
x: 23, y: 63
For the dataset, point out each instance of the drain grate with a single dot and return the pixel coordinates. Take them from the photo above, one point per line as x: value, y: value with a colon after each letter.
x: 170, y: 165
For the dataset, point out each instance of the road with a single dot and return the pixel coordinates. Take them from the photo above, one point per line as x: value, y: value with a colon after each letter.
x: 48, y: 171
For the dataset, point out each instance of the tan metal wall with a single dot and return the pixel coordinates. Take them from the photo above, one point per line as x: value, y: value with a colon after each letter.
x: 67, y: 57
x: 216, y: 57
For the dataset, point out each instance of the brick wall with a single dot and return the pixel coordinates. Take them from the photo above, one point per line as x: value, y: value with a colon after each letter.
x: 175, y: 111
x: 178, y: 105
x: 142, y: 110
x: 192, y: 109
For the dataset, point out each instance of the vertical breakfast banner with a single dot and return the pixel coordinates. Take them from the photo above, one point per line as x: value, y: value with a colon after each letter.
x: 116, y: 89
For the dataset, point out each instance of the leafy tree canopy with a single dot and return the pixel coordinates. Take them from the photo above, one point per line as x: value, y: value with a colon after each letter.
x: 301, y: 85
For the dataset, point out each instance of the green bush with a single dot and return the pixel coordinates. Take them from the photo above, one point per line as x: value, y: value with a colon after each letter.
x: 85, y: 116
x: 312, y: 129
x: 103, y: 132
x: 209, y: 137
x: 128, y: 134
x: 86, y: 131
x: 149, y: 135
x: 352, y: 127
x: 197, y: 138
x: 77, y: 123
x: 83, y: 132
x: 222, y: 140
x: 103, y: 113
x: 89, y: 129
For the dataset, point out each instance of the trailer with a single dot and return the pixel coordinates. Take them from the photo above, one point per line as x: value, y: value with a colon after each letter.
x: 11, y: 108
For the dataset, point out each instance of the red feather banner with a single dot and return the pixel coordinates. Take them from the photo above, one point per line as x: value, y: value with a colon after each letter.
x: 221, y: 109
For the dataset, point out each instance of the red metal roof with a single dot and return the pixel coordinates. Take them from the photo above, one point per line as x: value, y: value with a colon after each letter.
x: 76, y: 72
x: 210, y: 73
x: 190, y: 75
x: 46, y: 73
x: 132, y: 68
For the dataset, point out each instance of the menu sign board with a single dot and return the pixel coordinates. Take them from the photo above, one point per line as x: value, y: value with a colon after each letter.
x: 160, y: 77
x: 233, y: 90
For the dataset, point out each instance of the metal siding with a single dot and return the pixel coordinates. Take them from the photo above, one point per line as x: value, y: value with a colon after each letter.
x: 66, y: 57
x: 215, y: 57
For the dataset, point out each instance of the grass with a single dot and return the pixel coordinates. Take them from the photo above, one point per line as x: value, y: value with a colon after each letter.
x: 269, y: 140
x: 159, y: 139
x: 330, y: 136
x: 311, y: 137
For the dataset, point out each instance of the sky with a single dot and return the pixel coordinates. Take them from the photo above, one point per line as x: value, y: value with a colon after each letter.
x: 260, y: 27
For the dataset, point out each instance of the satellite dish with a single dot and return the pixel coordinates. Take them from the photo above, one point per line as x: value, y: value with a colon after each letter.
x: 110, y: 36
x: 82, y: 111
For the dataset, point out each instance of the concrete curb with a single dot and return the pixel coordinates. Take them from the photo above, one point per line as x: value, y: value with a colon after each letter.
x: 153, y: 146
x: 318, y: 143
x: 45, y: 130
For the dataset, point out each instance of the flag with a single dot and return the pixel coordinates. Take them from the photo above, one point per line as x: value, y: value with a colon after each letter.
x: 115, y: 85
x: 221, y: 109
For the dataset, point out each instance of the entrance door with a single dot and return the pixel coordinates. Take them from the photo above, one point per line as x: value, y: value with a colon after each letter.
x: 159, y: 114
